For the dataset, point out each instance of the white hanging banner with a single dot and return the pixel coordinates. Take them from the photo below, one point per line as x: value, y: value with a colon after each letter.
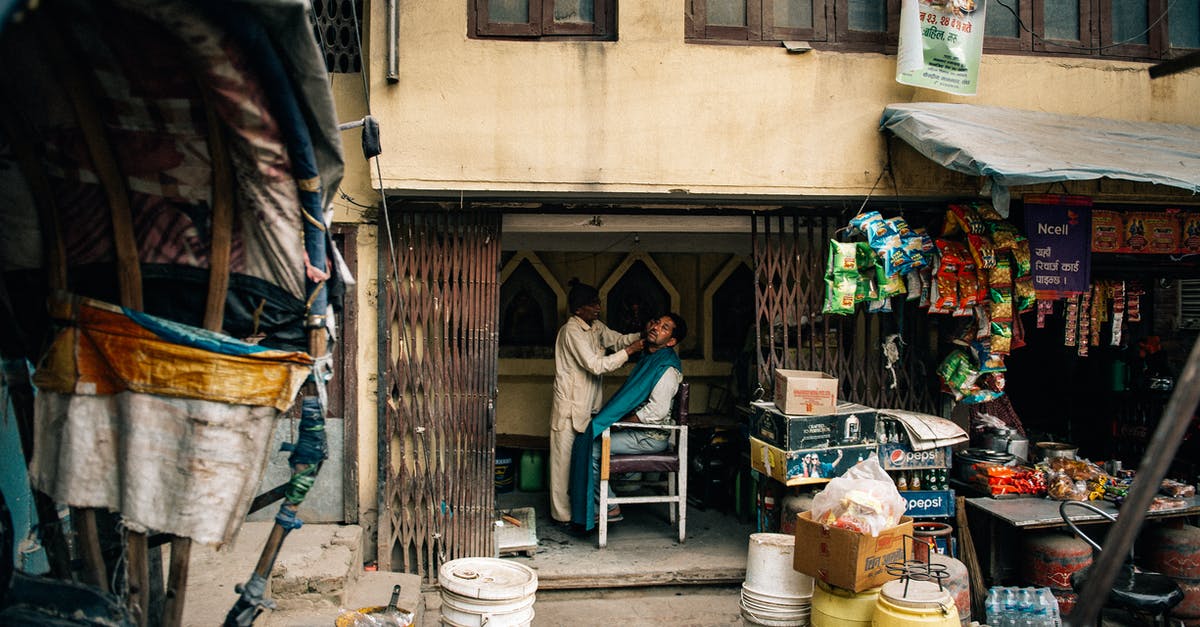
x: 941, y: 42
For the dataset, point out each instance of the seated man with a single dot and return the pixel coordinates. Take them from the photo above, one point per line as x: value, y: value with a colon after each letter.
x: 644, y: 397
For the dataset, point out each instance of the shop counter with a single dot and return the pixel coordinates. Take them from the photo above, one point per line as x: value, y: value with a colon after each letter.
x: 997, y: 524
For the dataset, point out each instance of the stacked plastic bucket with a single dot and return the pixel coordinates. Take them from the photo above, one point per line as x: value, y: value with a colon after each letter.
x: 774, y: 594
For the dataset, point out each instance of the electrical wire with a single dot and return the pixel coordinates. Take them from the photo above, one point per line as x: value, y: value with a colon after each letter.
x: 1133, y: 39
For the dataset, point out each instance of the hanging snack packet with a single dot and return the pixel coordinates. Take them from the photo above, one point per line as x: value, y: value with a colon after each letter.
x: 1018, y: 334
x: 1024, y: 296
x: 881, y: 305
x: 982, y: 250
x: 839, y: 294
x: 1001, y: 340
x: 987, y: 211
x: 1004, y: 235
x: 988, y: 361
x: 967, y: 219
x: 926, y: 277
x: 1022, y: 263
x: 868, y: 223
x: 843, y: 258
x: 1045, y: 309
x: 912, y: 284
x: 968, y: 285
x: 946, y: 278
x: 1071, y: 328
x: 1118, y: 320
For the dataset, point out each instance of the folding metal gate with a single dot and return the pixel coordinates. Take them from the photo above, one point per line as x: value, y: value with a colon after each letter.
x: 438, y: 389
x: 789, y: 267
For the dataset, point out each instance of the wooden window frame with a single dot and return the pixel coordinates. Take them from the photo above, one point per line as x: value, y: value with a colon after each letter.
x: 699, y: 28
x: 541, y: 22
x: 1154, y: 46
x: 1086, y: 43
x: 843, y: 34
x: 780, y: 33
x: 1024, y: 40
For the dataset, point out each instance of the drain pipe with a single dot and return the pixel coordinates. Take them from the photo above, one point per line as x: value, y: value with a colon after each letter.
x: 393, y: 40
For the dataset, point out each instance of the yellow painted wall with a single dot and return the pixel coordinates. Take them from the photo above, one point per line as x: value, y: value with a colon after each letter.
x: 650, y: 113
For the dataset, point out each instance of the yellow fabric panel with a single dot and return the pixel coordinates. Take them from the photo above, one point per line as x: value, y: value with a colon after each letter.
x: 105, y: 353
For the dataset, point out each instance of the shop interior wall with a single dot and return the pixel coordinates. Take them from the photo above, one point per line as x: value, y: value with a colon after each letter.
x: 525, y: 382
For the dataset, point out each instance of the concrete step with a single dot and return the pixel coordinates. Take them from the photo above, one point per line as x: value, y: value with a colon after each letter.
x: 314, y: 570
x: 371, y: 589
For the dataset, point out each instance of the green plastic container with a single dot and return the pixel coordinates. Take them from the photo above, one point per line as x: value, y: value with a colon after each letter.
x: 533, y: 471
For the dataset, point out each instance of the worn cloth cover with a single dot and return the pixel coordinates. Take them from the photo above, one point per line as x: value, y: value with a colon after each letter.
x: 631, y: 394
x: 1018, y: 147
x: 167, y: 424
x: 105, y: 350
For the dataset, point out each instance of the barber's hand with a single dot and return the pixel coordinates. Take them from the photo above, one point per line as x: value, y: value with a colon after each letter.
x: 636, y: 347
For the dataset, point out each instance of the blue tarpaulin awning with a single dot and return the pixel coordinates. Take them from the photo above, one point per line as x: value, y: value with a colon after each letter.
x: 1018, y: 147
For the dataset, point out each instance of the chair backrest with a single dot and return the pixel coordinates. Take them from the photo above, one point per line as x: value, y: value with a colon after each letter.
x: 679, y: 407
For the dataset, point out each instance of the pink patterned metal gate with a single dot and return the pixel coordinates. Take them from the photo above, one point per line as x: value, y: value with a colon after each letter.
x: 789, y: 290
x: 438, y: 389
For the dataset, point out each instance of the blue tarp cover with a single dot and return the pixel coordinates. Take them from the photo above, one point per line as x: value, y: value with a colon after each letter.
x: 1017, y: 147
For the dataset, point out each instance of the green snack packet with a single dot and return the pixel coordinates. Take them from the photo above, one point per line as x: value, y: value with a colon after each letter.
x: 840, y: 294
x: 843, y: 258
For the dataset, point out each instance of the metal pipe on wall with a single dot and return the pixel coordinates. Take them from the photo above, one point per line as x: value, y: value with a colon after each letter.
x: 393, y: 40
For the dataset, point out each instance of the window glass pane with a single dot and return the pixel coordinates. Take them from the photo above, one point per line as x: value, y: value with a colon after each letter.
x: 576, y: 11
x: 1184, y: 20
x: 1000, y: 21
x: 1129, y: 22
x: 793, y: 14
x: 508, y: 11
x: 726, y: 12
x: 1062, y: 19
x: 868, y: 15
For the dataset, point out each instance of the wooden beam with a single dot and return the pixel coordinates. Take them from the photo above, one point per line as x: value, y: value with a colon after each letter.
x: 1175, y: 66
x: 181, y: 555
x: 222, y: 222
x: 138, y: 569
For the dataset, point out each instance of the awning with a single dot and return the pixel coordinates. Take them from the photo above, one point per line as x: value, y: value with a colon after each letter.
x: 1016, y: 147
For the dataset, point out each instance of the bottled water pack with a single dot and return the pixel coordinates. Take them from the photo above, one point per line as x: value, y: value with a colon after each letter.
x: 1022, y: 607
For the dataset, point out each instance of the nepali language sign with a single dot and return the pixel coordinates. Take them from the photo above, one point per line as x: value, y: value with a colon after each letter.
x: 941, y: 42
x: 1059, y: 229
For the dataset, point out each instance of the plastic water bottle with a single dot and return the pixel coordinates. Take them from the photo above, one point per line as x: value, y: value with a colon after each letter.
x: 1046, y: 608
x: 993, y: 606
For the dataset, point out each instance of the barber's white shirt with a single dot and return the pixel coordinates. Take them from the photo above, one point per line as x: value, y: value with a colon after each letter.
x: 579, y: 362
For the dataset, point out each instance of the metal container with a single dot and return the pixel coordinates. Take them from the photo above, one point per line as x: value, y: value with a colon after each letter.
x: 1050, y: 450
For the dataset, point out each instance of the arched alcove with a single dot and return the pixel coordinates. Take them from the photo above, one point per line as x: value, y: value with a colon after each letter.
x: 529, y: 303
x: 635, y: 291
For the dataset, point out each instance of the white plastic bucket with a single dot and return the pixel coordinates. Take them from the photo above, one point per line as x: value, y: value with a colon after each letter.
x: 769, y: 569
x: 478, y: 591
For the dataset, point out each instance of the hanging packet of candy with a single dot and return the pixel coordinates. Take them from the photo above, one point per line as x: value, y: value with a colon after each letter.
x: 1118, y: 316
x: 1085, y: 323
x: 1004, y: 235
x: 1045, y: 309
x: 982, y: 250
x: 1071, y: 328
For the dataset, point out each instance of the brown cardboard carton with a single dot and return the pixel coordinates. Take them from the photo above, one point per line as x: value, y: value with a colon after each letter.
x: 805, y: 392
x: 847, y: 559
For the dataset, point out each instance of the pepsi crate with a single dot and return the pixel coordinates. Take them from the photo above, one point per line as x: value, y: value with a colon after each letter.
x: 850, y: 424
x: 928, y: 503
x: 805, y: 466
x: 900, y: 456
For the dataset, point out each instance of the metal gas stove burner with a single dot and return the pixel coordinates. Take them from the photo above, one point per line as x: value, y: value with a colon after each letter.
x: 913, y: 569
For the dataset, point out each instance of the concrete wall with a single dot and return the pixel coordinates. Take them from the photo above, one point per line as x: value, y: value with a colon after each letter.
x: 652, y: 114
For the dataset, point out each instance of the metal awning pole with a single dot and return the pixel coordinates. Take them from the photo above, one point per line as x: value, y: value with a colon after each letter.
x: 1160, y: 452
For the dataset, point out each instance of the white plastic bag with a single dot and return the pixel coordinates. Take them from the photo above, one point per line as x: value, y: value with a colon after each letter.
x: 863, y: 500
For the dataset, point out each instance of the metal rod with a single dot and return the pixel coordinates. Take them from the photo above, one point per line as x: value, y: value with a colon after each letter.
x: 1160, y: 452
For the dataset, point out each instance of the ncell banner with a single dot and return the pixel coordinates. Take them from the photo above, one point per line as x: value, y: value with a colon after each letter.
x: 1059, y: 229
x: 941, y: 42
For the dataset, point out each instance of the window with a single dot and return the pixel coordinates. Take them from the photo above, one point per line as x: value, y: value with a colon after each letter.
x: 840, y: 21
x: 1131, y: 29
x: 534, y: 19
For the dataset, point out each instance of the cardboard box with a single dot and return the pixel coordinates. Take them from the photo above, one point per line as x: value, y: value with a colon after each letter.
x: 806, y: 466
x: 848, y: 424
x: 844, y: 558
x: 805, y: 392
x: 900, y: 456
